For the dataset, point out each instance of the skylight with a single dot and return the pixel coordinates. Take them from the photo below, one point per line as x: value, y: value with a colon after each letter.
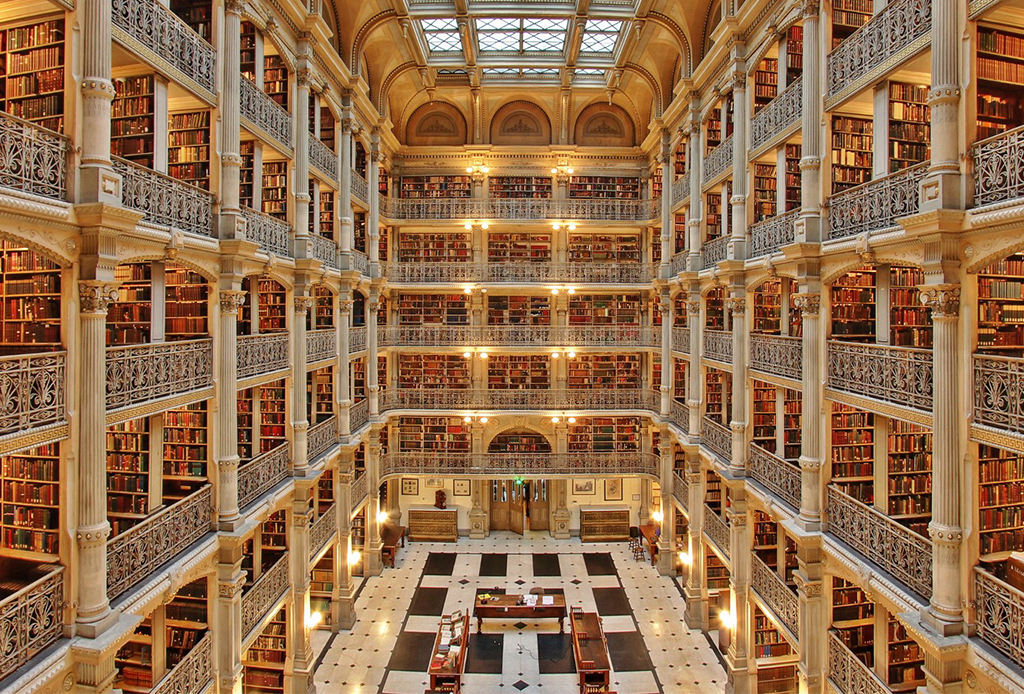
x: 506, y: 72
x: 442, y: 35
x: 588, y: 72
x: 600, y: 36
x: 521, y: 35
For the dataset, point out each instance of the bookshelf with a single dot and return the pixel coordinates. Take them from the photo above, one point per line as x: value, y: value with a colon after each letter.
x: 31, y: 286
x: 909, y: 125
x: 909, y: 488
x: 275, y: 79
x: 604, y: 187
x: 186, y: 620
x: 361, y: 159
x: 359, y: 535
x: 793, y: 153
x: 777, y: 679
x: 132, y: 120
x: 716, y: 577
x: 847, y: 17
x: 792, y: 408
x: 713, y: 129
x: 322, y: 315
x: 274, y: 537
x: 436, y: 187
x: 187, y: 302
x: 320, y: 395
x: 519, y: 247
x: 766, y: 538
x: 436, y: 309
x: 775, y: 659
x: 519, y: 372
x: 765, y: 191
x: 384, y: 244
x: 323, y: 214
x: 712, y: 216
x: 604, y: 371
x: 263, y: 667
x: 714, y: 309
x: 716, y: 388
x: 447, y: 434
x: 853, y: 617
x: 134, y: 660
x: 246, y: 427
x: 324, y: 491
x: 359, y: 231
x: 30, y: 504
x: 518, y: 310
x: 768, y: 307
x: 1000, y: 61
x: 195, y: 13
x: 679, y: 380
x: 906, y: 659
x: 604, y: 309
x: 1001, y: 307
x: 851, y: 152
x: 604, y: 248
x: 246, y: 177
x: 358, y: 379
x: 910, y: 322
x: 383, y: 180
x: 434, y: 248
x: 127, y: 473
x: 604, y: 434
x: 764, y: 406
x: 32, y: 63
x: 448, y: 371
x: 1000, y: 501
x: 274, y: 193
x: 853, y: 438
x: 766, y: 82
x: 535, y: 187
x: 769, y: 643
x: 713, y: 491
x: 128, y: 318
x: 794, y: 53
x: 679, y: 225
x: 248, y: 50
x: 656, y: 184
x: 188, y: 148
x: 272, y: 305
x: 186, y: 451
x: 853, y: 306
x: 321, y: 588
x: 273, y: 431
x: 679, y: 160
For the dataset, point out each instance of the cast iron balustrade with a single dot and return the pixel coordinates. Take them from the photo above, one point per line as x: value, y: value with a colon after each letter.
x: 34, y: 160
x: 847, y: 673
x: 432, y: 272
x: 142, y: 373
x: 717, y: 531
x: 714, y: 251
x: 359, y: 187
x: 512, y: 209
x: 679, y: 414
x: 358, y: 491
x: 356, y: 339
x: 31, y: 619
x: 320, y: 437
x: 718, y: 161
x: 782, y: 113
x: 999, y: 168
x: 622, y: 463
x: 273, y: 235
x: 32, y: 387
x: 323, y: 158
x: 151, y: 29
x: 877, y: 204
x: 681, y: 340
x: 164, y: 200
x: 263, y: 473
x: 902, y: 553
x: 768, y: 236
x: 542, y: 399
x: 680, y: 189
x: 324, y: 528
x: 321, y: 344
x: 266, y: 592
x: 679, y: 263
x: 142, y: 549
x: 324, y: 250
x: 717, y: 438
x: 359, y: 414
x: 1000, y: 614
x: 718, y: 345
x: 264, y: 114
x: 999, y: 392
x: 681, y: 490
x: 262, y: 354
x: 360, y: 262
x: 899, y: 375
x: 519, y: 335
x: 767, y: 583
x: 582, y: 273
x: 779, y: 476
x: 193, y: 674
x: 777, y: 354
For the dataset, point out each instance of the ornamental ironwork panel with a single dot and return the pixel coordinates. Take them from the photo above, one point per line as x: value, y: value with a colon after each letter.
x: 679, y: 263
x: 775, y: 593
x: 717, y: 531
x: 142, y: 549
x: 679, y: 413
x: 718, y: 345
x: 714, y: 251
x: 432, y: 272
x: 718, y: 161
x: 321, y: 344
x: 359, y: 490
x: 681, y: 490
x: 32, y: 390
x: 151, y: 26
x: 847, y: 673
x: 681, y: 340
x: 30, y: 620
x: 359, y: 187
x: 359, y: 414
x: 262, y: 354
x: 622, y: 463
x: 999, y: 168
x: 356, y: 339
x: 901, y: 552
x: 783, y: 112
x: 900, y: 375
x: 33, y: 159
x: 577, y: 398
x: 320, y: 437
x: 273, y: 235
x: 717, y: 438
x: 360, y: 262
x: 777, y: 475
x: 265, y: 114
x: 1000, y: 614
x: 877, y: 204
x: 324, y: 250
x: 141, y: 373
x: 263, y: 473
x: 777, y: 354
x: 511, y: 209
x: 164, y: 200
x: 323, y: 157
x: 999, y: 392
x: 266, y: 592
x: 193, y: 674
x: 770, y: 235
x: 324, y: 528
x: 680, y: 189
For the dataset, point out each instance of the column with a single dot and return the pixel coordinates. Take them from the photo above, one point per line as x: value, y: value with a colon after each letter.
x: 812, y: 620
x: 300, y: 421
x: 227, y: 409
x: 371, y: 557
x: 696, y: 164
x: 301, y: 518
x: 343, y: 602
x: 667, y: 367
x: 739, y: 583
x: 738, y: 201
x: 808, y: 225
x: 98, y: 181
x: 347, y: 229
x: 373, y: 219
x: 344, y: 387
x: 300, y: 175
x: 230, y: 128
x: 667, y: 176
x: 479, y: 525
x: 667, y: 543
x: 811, y: 438
x: 737, y: 306
x: 695, y: 390
x: 940, y: 188
x: 372, y: 388
x: 695, y: 590
x: 561, y: 517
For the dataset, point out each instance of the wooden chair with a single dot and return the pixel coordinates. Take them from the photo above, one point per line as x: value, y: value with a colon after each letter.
x: 387, y: 556
x: 536, y: 590
x: 638, y: 553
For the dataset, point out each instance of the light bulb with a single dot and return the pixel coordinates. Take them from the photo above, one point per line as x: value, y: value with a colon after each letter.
x: 555, y: 355
x: 467, y: 290
x: 571, y: 355
x: 467, y: 420
x: 572, y: 291
x: 354, y: 557
x: 314, y: 619
x: 483, y: 420
x: 554, y: 292
x: 685, y: 559
x: 556, y: 227
x: 569, y: 170
x: 554, y: 171
x: 483, y: 291
x: 554, y: 420
x: 572, y: 420
x: 467, y: 226
x: 484, y: 225
x: 469, y: 169
x: 572, y: 227
x: 727, y: 620
x: 382, y: 516
x: 466, y: 355
x: 658, y: 516
x: 485, y: 169
x: 483, y: 355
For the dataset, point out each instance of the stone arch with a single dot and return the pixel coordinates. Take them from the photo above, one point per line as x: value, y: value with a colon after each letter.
x: 604, y: 125
x: 518, y: 429
x: 711, y: 22
x: 520, y: 122
x: 1004, y: 249
x: 436, y: 123
x: 64, y: 261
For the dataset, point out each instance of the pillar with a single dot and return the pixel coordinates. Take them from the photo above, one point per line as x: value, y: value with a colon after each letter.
x: 696, y: 389
x: 940, y: 188
x: 561, y: 516
x: 808, y: 226
x: 667, y: 541
x: 738, y: 201
x: 696, y: 164
x: 230, y: 127
x: 300, y: 175
x: 737, y: 306
x: 343, y: 602
x: 371, y: 557
x: 301, y: 518
x: 300, y: 421
x: 347, y: 229
x: 812, y: 614
x: 695, y: 591
x: 809, y: 304
x: 345, y: 304
x: 373, y: 219
x: 667, y: 367
x: 479, y: 525
x: 737, y: 657
x: 97, y: 182
x: 667, y: 176
x: 372, y: 387
x: 227, y: 409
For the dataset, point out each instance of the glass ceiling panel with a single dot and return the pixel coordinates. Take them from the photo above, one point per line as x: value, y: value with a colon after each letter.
x: 600, y: 36
x: 521, y: 35
x: 442, y: 35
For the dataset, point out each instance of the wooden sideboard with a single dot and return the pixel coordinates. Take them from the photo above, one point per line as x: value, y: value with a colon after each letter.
x: 604, y: 524
x: 433, y: 525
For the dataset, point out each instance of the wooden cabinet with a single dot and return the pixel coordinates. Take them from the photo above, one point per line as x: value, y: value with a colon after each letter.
x: 604, y: 524
x: 433, y: 525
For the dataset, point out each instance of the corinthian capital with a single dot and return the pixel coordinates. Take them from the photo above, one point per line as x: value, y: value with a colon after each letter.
x: 736, y: 305
x: 303, y: 304
x: 95, y: 296
x: 693, y: 308
x: 807, y: 302
x: 942, y: 299
x: 231, y: 300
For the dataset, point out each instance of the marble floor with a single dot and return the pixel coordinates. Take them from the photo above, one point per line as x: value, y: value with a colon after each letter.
x: 388, y: 649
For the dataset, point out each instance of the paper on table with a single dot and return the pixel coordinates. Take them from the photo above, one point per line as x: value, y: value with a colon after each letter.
x: 547, y: 600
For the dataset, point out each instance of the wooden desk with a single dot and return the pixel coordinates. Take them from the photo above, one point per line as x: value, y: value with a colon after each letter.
x: 590, y: 648
x: 647, y: 532
x: 505, y: 607
x: 433, y: 525
x: 390, y: 536
x: 445, y: 670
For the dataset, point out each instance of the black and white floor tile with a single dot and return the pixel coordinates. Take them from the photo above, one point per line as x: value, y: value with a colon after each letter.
x: 389, y: 648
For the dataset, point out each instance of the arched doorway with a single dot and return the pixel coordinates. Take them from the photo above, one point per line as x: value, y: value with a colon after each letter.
x: 520, y: 504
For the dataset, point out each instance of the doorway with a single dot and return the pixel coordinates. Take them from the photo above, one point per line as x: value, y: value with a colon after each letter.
x: 519, y: 506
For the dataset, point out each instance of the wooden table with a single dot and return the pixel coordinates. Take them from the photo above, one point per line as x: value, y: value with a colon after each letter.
x: 390, y: 536
x: 505, y: 607
x: 649, y: 534
x: 590, y: 648
x: 446, y: 673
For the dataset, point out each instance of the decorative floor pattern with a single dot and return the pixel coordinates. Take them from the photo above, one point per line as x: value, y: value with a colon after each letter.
x: 389, y: 647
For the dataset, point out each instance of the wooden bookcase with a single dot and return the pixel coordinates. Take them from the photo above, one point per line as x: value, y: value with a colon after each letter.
x: 322, y: 315
x: 853, y: 306
x: 604, y: 248
x: 792, y: 408
x: 604, y: 309
x: 274, y: 194
x: 768, y: 307
x: 909, y: 125
x: 248, y: 50
x: 679, y: 225
x: 32, y: 65
x: 186, y: 451
x: 712, y: 216
x: 433, y: 309
x: 186, y: 620
x: 519, y: 372
x: 324, y: 491
x: 263, y: 667
x: 359, y: 231
x: 443, y: 371
x: 1001, y: 307
x: 769, y: 642
x: 196, y: 13
x: 605, y: 434
x: 30, y: 504
x: 128, y: 449
x: 1000, y: 64
x: 536, y: 187
x: 714, y: 309
x: 716, y: 577
x: 274, y: 537
x: 275, y: 79
x: 853, y: 618
x: 443, y: 434
x: 129, y: 318
x: 320, y: 394
x: 132, y: 120
x: 909, y: 488
x: 519, y: 247
x: 851, y: 152
x: 774, y: 656
x: 716, y: 389
x: 766, y: 538
x: 359, y: 537
x: 434, y: 248
x: 766, y: 82
x: 246, y: 427
x: 604, y: 371
x: 273, y: 427
x: 188, y: 148
x: 680, y: 380
x: 906, y: 659
x: 794, y: 53
x: 436, y: 187
x: 713, y: 491
x: 910, y: 322
x: 321, y: 589
x: 713, y: 129
x: 853, y: 445
x: 134, y: 660
x: 764, y: 412
x: 656, y: 184
x: 358, y: 379
x: 31, y: 286
x: 519, y: 442
x: 679, y: 160
x: 187, y: 303
x: 325, y: 213
x: 765, y: 191
x: 246, y: 175
x: 793, y: 153
x: 1000, y: 504
x: 273, y: 308
x: 847, y: 17
x: 518, y: 310
x: 604, y: 187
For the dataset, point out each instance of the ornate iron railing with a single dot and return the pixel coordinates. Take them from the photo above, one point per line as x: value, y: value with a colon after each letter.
x: 777, y: 354
x: 999, y: 392
x: 877, y: 204
x: 140, y: 373
x: 775, y: 593
x: 681, y: 339
x: 30, y: 620
x: 35, y: 160
x: 510, y: 464
x: 265, y: 114
x: 148, y: 25
x: 360, y: 486
x: 575, y: 399
x: 324, y: 528
x: 714, y: 251
x: 263, y: 473
x: 360, y: 262
x: 999, y: 167
x: 892, y: 34
x: 262, y: 354
x: 357, y: 339
x: 32, y: 390
x: 615, y: 210
x: 266, y: 592
x: 901, y: 552
x: 717, y: 438
x: 681, y: 189
x: 193, y: 674
x: 272, y: 234
x: 432, y: 272
x: 847, y: 673
x: 142, y: 549
x: 767, y: 237
x: 718, y: 161
x: 1000, y: 613
x: 778, y: 476
x: 359, y: 187
x: 679, y: 414
x: 164, y: 200
x: 321, y: 344
x: 324, y: 250
x: 320, y: 437
x: 681, y: 490
x: 323, y: 157
x: 679, y: 263
x: 522, y: 335
x: 717, y: 531
x: 900, y: 375
x: 718, y: 345
x: 359, y: 415
x: 783, y: 112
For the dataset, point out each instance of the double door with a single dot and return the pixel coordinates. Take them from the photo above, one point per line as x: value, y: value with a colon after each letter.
x: 519, y: 505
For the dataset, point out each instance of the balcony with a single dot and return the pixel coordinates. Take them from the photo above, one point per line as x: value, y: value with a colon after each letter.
x: 680, y: 262
x: 999, y: 393
x: 152, y: 31
x: 324, y: 529
x: 35, y: 159
x: 263, y: 595
x: 717, y: 438
x: 193, y: 673
x: 142, y: 549
x: 324, y: 250
x: 519, y: 335
x: 780, y: 355
x: 1000, y: 613
x: 264, y: 116
x: 898, y: 375
x: 779, y: 476
x: 717, y: 530
x: 770, y: 587
x: 263, y: 473
x: 681, y: 490
x: 360, y: 262
x: 509, y: 209
x: 679, y: 414
x: 998, y: 173
x: 273, y: 235
x: 718, y: 345
x: 359, y: 187
x: 680, y: 189
x: 33, y: 391
x: 770, y: 235
x: 164, y: 200
x: 776, y: 119
x: 321, y: 437
x: 572, y: 399
x: 323, y: 158
x: 681, y: 340
x: 847, y: 673
x: 359, y: 415
x: 520, y: 273
x: 718, y: 161
x: 321, y: 345
x: 714, y: 251
x: 900, y: 552
x: 356, y: 339
x: 143, y: 373
x: 875, y: 205
x: 617, y: 463
x: 359, y: 490
x: 259, y: 355
x: 31, y: 619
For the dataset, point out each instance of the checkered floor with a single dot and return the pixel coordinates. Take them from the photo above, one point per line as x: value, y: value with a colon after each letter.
x: 388, y: 649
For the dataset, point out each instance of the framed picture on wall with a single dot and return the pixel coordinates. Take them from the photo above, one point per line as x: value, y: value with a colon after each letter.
x: 434, y: 483
x: 460, y: 488
x: 410, y: 486
x: 613, y: 489
x: 583, y: 486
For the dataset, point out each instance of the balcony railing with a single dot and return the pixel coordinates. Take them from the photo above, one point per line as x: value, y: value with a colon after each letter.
x: 520, y: 335
x: 681, y: 490
x: 142, y: 549
x: 35, y: 159
x: 717, y: 438
x: 718, y: 345
x: 999, y: 168
x: 151, y: 27
x: 582, y: 273
x: 783, y: 112
x: 780, y: 477
x: 508, y: 209
x: 718, y: 161
x: 900, y: 375
x: 359, y: 490
x: 847, y: 673
x: 324, y: 528
x: 324, y: 250
x: 891, y: 35
x: 193, y: 674
x: 273, y: 235
x: 360, y: 262
x: 714, y: 251
x: 681, y: 340
x: 877, y: 204
x: 681, y: 189
x: 31, y: 619
x: 359, y: 187
x: 262, y: 354
x: 901, y: 552
x: 323, y: 157
x: 767, y: 237
x: 320, y: 437
x: 265, y: 114
x: 679, y: 414
x: 266, y: 592
x: 1000, y: 614
x: 141, y: 373
x: 359, y: 415
x: 775, y: 593
x: 621, y: 463
x: 263, y: 473
x: 544, y: 399
x: 717, y: 531
x: 356, y: 339
x: 321, y: 344
x: 999, y: 392
x: 33, y: 391
x: 164, y: 200
x: 777, y: 354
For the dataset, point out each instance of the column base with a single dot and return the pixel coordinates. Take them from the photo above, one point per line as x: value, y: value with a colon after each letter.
x: 560, y: 527
x: 666, y: 562
x: 372, y: 564
x: 696, y: 610
x: 302, y: 680
x: 478, y: 524
x: 94, y: 629
x: 739, y: 675
x: 343, y: 611
x: 940, y: 191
